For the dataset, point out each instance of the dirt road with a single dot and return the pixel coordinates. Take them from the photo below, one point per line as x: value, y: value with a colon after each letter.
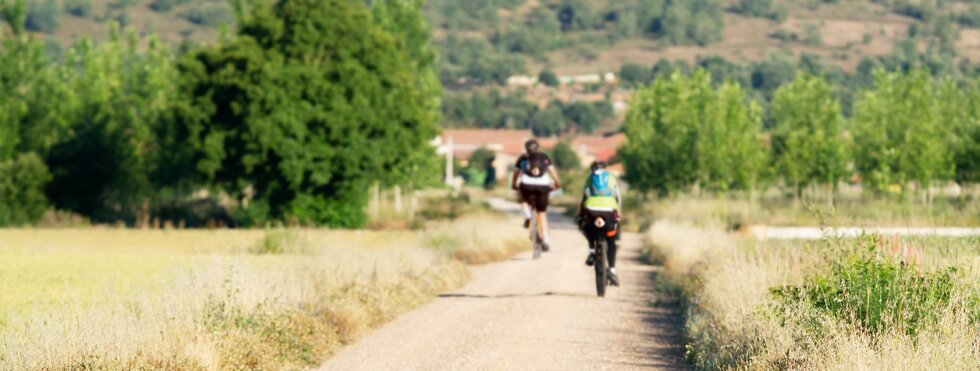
x: 524, y: 314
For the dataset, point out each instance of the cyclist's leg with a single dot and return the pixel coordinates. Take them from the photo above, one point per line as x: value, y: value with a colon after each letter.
x: 611, y: 254
x: 542, y: 209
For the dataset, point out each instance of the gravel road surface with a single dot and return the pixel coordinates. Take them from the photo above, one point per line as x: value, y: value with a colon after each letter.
x: 526, y: 314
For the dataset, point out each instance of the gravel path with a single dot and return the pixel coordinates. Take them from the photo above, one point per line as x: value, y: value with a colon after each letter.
x: 524, y: 314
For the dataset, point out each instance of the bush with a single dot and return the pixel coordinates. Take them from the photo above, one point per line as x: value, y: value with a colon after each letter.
x: 549, y: 78
x: 209, y: 15
x: 876, y: 293
x: 164, y: 6
x: 42, y: 17
x: 281, y: 241
x: 22, y: 198
x: 79, y: 8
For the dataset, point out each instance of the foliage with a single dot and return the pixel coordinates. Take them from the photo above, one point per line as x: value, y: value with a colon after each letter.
x: 209, y: 15
x: 808, y: 133
x: 548, y: 78
x: 564, y: 157
x: 583, y: 115
x: 22, y: 181
x: 683, y: 132
x: 266, y: 110
x: 42, y: 16
x: 761, y: 8
x: 900, y: 135
x: 877, y: 293
x: 79, y: 8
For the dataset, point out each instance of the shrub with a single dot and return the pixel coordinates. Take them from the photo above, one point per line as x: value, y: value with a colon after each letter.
x: 549, y: 78
x: 877, y: 294
x: 209, y: 15
x: 22, y: 198
x: 164, y: 6
x: 281, y: 241
x: 79, y: 8
x: 42, y: 16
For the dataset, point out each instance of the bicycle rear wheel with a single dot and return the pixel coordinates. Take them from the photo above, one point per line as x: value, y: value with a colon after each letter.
x: 601, y: 271
x: 536, y: 235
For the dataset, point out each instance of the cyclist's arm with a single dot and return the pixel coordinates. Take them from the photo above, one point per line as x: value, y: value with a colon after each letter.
x: 617, y: 194
x: 554, y: 177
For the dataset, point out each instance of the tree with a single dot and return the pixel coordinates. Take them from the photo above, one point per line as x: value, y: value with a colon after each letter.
x: 967, y: 135
x: 728, y: 145
x: 565, y: 157
x: 583, y: 115
x: 899, y: 136
x: 549, y: 78
x: 42, y: 17
x: 117, y: 101
x: 22, y: 181
x: 683, y: 132
x: 659, y: 155
x: 576, y: 15
x: 634, y: 75
x: 308, y: 105
x: 808, y: 140
x: 547, y: 122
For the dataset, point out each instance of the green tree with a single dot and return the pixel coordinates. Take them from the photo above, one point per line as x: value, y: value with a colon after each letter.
x: 577, y: 15
x: 966, y: 136
x: 308, y: 105
x: 565, y: 157
x: 583, y: 114
x: 116, y: 101
x: 22, y: 181
x: 549, y: 78
x: 728, y: 145
x: 684, y: 132
x: 661, y: 127
x: 899, y: 136
x: 548, y: 121
x: 808, y: 140
x: 42, y: 16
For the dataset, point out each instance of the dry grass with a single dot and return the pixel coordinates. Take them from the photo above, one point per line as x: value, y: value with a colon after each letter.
x: 479, y: 240
x: 735, y: 322
x: 128, y: 299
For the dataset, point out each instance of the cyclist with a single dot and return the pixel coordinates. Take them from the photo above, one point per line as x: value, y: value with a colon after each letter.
x: 534, y: 178
x: 601, y: 197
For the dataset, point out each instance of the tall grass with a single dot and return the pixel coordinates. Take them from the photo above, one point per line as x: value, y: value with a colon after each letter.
x: 215, y: 300
x: 834, y: 304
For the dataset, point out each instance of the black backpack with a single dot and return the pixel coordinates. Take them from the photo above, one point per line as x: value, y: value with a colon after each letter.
x: 537, y: 164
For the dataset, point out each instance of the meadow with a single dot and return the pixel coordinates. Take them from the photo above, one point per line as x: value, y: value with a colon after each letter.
x: 874, y: 302
x: 102, y: 298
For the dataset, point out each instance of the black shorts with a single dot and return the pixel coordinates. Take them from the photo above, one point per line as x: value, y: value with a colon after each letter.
x: 536, y: 196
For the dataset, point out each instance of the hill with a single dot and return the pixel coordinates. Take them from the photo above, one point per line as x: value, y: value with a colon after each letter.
x: 482, y: 43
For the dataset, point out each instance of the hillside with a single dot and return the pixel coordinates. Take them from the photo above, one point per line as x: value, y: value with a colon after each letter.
x: 482, y: 43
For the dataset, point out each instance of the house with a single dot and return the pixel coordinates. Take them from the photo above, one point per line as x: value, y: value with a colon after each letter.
x: 508, y: 145
x: 594, y: 148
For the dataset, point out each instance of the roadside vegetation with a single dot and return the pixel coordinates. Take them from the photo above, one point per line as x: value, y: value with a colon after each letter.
x: 875, y: 302
x: 225, y: 299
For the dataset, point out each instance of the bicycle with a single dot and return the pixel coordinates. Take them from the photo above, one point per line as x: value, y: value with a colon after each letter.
x: 600, y: 231
x: 537, y: 230
x: 537, y: 234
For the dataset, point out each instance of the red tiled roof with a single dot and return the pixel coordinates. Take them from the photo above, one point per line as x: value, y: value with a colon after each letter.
x: 465, y: 141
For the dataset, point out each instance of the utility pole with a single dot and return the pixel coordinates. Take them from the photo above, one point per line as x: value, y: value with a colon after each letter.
x: 449, y: 162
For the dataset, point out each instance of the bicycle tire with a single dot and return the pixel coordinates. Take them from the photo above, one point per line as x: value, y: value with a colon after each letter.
x: 536, y: 236
x: 601, y: 277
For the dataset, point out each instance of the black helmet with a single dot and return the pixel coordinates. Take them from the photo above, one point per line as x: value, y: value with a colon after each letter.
x: 598, y: 165
x: 531, y: 145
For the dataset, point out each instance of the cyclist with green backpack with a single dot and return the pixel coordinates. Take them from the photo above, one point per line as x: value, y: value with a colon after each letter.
x: 601, y: 198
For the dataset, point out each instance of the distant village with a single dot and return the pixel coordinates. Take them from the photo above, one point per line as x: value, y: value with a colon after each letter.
x: 508, y: 144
